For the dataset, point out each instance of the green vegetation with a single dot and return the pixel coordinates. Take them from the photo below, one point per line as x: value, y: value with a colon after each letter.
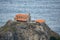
x: 53, y: 38
x: 58, y: 38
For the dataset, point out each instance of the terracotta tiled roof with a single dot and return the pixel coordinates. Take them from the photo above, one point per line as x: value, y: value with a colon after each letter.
x: 40, y: 21
x: 21, y: 17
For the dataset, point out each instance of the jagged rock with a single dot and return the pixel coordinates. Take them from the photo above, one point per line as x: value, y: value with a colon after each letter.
x: 26, y: 31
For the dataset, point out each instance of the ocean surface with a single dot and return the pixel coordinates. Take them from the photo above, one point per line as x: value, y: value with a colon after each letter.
x: 48, y: 10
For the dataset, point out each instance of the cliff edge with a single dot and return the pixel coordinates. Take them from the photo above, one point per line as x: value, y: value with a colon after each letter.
x: 14, y: 30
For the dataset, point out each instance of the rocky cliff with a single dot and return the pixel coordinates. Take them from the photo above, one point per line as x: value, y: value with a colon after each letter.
x: 14, y: 30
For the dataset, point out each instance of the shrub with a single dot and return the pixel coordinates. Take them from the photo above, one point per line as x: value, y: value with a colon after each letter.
x: 53, y: 38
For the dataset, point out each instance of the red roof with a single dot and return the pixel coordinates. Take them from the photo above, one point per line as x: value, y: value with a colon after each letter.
x: 21, y: 17
x: 40, y: 21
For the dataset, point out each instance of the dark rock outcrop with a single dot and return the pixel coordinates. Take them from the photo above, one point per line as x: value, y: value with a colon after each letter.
x: 26, y: 31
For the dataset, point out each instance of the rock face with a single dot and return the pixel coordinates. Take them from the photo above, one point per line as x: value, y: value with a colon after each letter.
x: 25, y: 31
